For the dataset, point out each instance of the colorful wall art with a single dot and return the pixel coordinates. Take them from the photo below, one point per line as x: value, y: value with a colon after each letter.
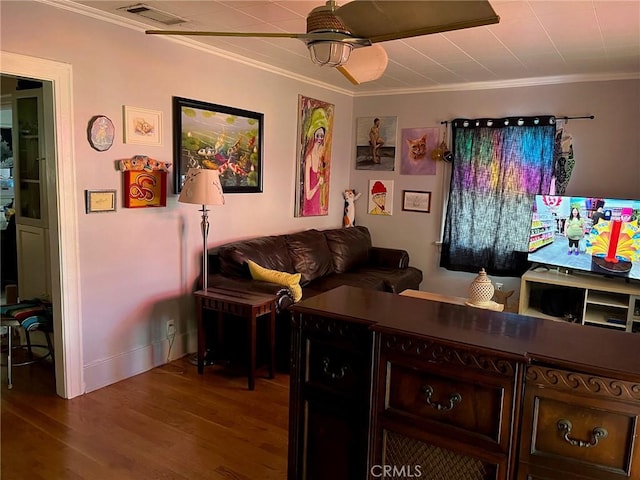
x: 380, y: 197
x: 313, y: 168
x: 417, y: 145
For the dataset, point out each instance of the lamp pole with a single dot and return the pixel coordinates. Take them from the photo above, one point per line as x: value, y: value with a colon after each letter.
x: 204, y: 225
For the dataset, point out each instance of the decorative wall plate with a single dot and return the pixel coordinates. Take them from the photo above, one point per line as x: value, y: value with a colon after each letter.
x: 100, y: 133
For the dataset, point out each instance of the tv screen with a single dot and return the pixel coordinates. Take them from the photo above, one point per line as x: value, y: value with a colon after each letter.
x: 592, y: 234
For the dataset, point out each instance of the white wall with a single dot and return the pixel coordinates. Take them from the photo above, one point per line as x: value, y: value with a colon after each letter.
x: 606, y: 149
x: 138, y: 266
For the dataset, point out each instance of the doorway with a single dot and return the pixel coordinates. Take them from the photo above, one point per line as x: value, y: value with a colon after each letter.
x: 62, y: 208
x: 8, y: 263
x: 25, y: 145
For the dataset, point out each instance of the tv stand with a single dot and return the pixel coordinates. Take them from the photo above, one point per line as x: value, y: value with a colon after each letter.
x: 606, y: 302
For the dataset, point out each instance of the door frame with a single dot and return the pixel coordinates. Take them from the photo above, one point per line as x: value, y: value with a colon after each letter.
x: 63, y: 217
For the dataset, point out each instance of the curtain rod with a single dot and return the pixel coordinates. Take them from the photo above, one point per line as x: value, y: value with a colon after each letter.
x: 587, y: 117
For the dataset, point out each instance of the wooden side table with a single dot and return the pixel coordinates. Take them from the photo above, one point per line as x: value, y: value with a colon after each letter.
x: 248, y: 305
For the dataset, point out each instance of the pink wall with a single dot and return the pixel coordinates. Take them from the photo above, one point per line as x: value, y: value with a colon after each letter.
x: 138, y: 267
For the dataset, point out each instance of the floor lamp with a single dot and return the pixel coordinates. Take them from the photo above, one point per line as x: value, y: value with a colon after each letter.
x: 202, y: 187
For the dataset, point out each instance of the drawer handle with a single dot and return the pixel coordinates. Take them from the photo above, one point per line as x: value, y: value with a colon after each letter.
x: 453, y: 399
x: 596, y: 434
x: 337, y: 375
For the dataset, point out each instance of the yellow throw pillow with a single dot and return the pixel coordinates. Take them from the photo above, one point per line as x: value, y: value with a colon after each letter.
x: 291, y: 280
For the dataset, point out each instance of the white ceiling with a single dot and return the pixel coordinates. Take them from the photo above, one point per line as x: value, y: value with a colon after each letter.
x: 536, y: 41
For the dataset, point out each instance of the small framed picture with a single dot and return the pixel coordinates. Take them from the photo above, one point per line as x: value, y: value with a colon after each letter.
x: 142, y: 126
x: 100, y: 133
x: 100, y: 201
x: 416, y: 201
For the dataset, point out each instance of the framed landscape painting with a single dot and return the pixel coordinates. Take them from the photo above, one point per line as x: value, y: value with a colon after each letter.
x: 217, y: 137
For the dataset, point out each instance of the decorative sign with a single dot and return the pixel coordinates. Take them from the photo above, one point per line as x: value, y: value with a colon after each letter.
x: 145, y: 188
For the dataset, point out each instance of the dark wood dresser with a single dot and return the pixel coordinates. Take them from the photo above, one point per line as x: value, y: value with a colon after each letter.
x: 387, y: 386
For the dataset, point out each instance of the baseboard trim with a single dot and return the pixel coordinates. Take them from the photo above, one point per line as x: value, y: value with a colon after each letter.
x: 105, y: 372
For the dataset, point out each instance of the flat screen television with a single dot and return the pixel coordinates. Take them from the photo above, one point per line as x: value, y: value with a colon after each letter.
x: 591, y: 234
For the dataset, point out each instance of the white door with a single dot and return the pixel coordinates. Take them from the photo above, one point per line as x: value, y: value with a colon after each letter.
x: 32, y: 226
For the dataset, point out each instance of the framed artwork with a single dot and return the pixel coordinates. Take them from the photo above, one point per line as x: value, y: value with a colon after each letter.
x: 416, y: 201
x: 100, y: 201
x: 313, y: 167
x: 142, y: 126
x: 100, y: 133
x: 145, y: 188
x: 206, y: 135
x: 376, y: 143
x: 380, y: 197
x: 416, y: 147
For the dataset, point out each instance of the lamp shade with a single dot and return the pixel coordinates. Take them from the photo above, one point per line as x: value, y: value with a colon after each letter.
x: 202, y: 186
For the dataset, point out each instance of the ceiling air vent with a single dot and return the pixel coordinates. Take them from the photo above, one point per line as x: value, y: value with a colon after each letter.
x: 154, y: 14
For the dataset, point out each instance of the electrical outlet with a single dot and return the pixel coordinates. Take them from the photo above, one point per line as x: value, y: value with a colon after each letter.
x: 171, y: 328
x: 499, y: 286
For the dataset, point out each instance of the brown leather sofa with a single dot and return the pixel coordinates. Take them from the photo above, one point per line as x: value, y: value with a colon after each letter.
x: 325, y: 259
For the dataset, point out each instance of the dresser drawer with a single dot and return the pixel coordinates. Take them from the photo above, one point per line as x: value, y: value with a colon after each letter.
x: 471, y: 403
x: 465, y: 395
x: 567, y: 429
x: 337, y: 356
x: 331, y: 367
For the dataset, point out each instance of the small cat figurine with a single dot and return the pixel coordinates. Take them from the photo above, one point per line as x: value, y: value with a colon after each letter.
x: 418, y: 148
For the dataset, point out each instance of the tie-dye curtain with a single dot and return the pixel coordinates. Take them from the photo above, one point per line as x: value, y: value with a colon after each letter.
x: 498, y: 166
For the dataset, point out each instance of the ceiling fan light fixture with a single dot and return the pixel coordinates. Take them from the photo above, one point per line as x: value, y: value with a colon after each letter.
x: 329, y: 53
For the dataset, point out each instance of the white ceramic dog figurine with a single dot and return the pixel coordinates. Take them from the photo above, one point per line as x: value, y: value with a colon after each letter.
x: 350, y: 197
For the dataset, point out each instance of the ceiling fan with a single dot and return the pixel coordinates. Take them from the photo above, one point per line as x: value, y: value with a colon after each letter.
x: 344, y: 37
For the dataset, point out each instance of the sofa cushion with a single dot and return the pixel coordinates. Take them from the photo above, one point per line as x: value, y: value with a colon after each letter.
x: 396, y: 280
x: 289, y: 280
x: 349, y: 247
x: 270, y: 252
x: 310, y: 254
x: 354, y: 279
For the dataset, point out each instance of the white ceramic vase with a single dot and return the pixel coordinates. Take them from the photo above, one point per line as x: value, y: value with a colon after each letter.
x: 481, y: 289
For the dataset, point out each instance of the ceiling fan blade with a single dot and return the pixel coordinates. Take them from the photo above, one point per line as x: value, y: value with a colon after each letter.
x: 224, y: 34
x: 305, y: 37
x: 365, y: 64
x: 383, y: 20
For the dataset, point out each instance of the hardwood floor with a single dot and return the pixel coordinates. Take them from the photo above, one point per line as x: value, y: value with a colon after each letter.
x: 168, y: 423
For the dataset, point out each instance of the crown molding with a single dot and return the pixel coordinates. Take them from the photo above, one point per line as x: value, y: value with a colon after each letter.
x: 515, y: 83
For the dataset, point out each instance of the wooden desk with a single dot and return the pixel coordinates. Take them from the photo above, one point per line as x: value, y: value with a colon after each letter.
x: 248, y: 305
